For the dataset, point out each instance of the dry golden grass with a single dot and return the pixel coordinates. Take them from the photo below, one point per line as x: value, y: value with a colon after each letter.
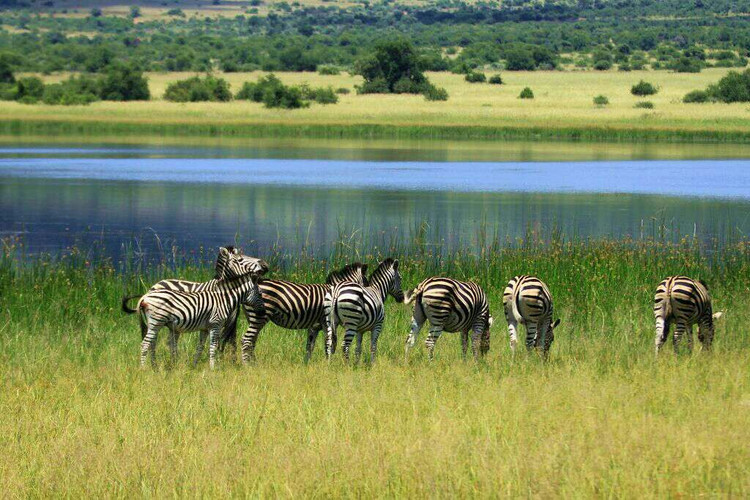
x: 563, y: 99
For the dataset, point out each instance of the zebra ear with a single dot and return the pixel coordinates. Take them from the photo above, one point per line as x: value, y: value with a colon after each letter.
x: 490, y: 320
x: 224, y: 251
x: 364, y: 269
x: 555, y: 323
x: 718, y: 315
x: 395, y: 265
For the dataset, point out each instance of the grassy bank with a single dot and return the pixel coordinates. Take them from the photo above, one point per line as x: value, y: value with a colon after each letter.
x: 562, y: 110
x: 602, y: 418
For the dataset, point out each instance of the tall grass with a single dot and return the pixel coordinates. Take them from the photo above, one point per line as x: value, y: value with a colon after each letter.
x: 601, y: 418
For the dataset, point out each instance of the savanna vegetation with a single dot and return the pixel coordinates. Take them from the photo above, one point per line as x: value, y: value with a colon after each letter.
x: 602, y: 417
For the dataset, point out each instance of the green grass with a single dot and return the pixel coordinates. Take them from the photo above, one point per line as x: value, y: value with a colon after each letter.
x: 602, y: 418
x: 561, y: 110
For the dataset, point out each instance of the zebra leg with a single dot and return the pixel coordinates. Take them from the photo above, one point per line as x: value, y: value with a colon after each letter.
x: 374, y: 334
x: 331, y: 327
x: 478, y: 341
x: 689, y: 334
x: 348, y: 337
x: 679, y: 330
x: 213, y: 348
x: 417, y: 321
x: 174, y: 336
x: 513, y: 333
x: 358, y: 348
x: 464, y: 343
x: 531, y: 336
x: 662, y: 332
x: 250, y: 338
x: 312, y: 336
x: 432, y: 338
x: 148, y: 345
x: 199, y: 347
x: 541, y: 339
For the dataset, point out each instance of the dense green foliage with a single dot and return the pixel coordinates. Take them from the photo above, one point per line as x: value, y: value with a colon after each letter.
x: 734, y: 87
x: 119, y: 82
x: 521, y: 35
x: 601, y: 100
x: 643, y: 88
x: 197, y: 89
x: 526, y: 93
x: 274, y: 94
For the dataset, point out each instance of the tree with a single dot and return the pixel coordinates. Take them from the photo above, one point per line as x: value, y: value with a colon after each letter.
x: 6, y: 73
x: 392, y: 69
x: 643, y: 89
x: 519, y: 59
x: 124, y: 83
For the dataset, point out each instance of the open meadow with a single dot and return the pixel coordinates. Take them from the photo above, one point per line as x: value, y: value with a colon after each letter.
x: 562, y: 108
x: 602, y: 418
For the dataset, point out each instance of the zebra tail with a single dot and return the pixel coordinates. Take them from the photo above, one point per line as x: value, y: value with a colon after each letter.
x: 412, y: 295
x: 125, y: 307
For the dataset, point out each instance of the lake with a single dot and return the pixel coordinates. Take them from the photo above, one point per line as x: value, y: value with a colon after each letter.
x: 264, y: 193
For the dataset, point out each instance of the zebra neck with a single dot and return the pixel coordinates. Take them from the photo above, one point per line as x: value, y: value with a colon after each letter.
x: 381, y: 285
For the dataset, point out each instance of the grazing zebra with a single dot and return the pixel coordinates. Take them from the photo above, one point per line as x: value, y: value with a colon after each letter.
x: 527, y: 301
x: 295, y: 306
x: 230, y: 263
x: 359, y: 308
x: 684, y: 302
x: 453, y: 306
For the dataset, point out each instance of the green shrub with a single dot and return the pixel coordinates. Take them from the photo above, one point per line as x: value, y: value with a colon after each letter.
x: 733, y: 87
x: 475, y: 77
x: 343, y: 90
x: 29, y: 90
x: 601, y: 100
x: 696, y: 96
x: 197, y: 89
x: 602, y: 65
x: 526, y: 93
x: 282, y: 96
x: 393, y: 68
x: 328, y: 70
x: 325, y: 95
x: 643, y: 89
x: 644, y: 105
x: 433, y: 93
x: 496, y: 80
x: 6, y: 73
x: 71, y: 92
x: 686, y: 65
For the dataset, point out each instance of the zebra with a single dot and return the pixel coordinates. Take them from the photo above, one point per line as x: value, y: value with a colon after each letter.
x: 206, y: 311
x: 527, y: 301
x: 453, y: 306
x: 685, y: 302
x: 230, y: 263
x: 358, y: 307
x: 295, y: 306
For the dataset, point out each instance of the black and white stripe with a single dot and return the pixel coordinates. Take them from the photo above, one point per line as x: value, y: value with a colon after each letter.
x: 359, y: 308
x: 684, y: 302
x: 206, y: 311
x: 295, y: 306
x: 452, y: 306
x: 527, y: 301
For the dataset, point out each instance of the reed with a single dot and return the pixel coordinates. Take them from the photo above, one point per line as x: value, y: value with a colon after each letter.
x: 601, y: 418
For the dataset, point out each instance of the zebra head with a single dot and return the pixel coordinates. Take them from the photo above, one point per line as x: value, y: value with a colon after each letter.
x: 706, y: 330
x: 387, y: 279
x: 551, y: 332
x: 231, y: 263
x: 356, y: 272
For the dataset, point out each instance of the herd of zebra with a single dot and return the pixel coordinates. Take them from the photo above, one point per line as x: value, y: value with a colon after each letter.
x: 351, y: 299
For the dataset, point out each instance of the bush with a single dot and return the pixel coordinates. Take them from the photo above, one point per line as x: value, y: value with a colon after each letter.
x: 696, y: 96
x: 520, y: 59
x: 496, y: 80
x: 475, y: 77
x: 644, y: 105
x: 343, y: 90
x: 686, y: 65
x: 526, y: 93
x: 602, y: 65
x: 434, y: 93
x: 325, y: 96
x: 643, y: 89
x: 282, y: 96
x: 73, y: 91
x: 29, y: 90
x: 274, y: 94
x: 394, y: 68
x: 124, y: 83
x: 601, y: 100
x: 196, y: 89
x: 734, y: 87
x: 328, y: 70
x: 6, y: 73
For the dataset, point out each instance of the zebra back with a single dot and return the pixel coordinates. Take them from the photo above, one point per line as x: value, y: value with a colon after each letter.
x: 528, y: 299
x: 457, y: 305
x: 684, y: 299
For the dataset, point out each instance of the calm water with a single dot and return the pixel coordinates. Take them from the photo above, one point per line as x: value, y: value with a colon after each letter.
x: 138, y: 196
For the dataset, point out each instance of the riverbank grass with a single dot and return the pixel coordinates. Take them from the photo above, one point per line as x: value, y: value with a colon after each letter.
x: 562, y: 109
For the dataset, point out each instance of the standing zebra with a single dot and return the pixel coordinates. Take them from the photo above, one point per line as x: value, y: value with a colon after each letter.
x: 295, y: 306
x: 453, y: 306
x: 206, y: 311
x: 685, y: 302
x: 359, y: 308
x: 230, y: 263
x: 527, y: 301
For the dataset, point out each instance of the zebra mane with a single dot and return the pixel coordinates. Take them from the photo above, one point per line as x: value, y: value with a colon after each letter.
x: 346, y: 272
x: 703, y: 283
x: 382, y: 268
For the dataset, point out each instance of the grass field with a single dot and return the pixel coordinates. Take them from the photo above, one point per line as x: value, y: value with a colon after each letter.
x: 601, y: 419
x: 562, y: 109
